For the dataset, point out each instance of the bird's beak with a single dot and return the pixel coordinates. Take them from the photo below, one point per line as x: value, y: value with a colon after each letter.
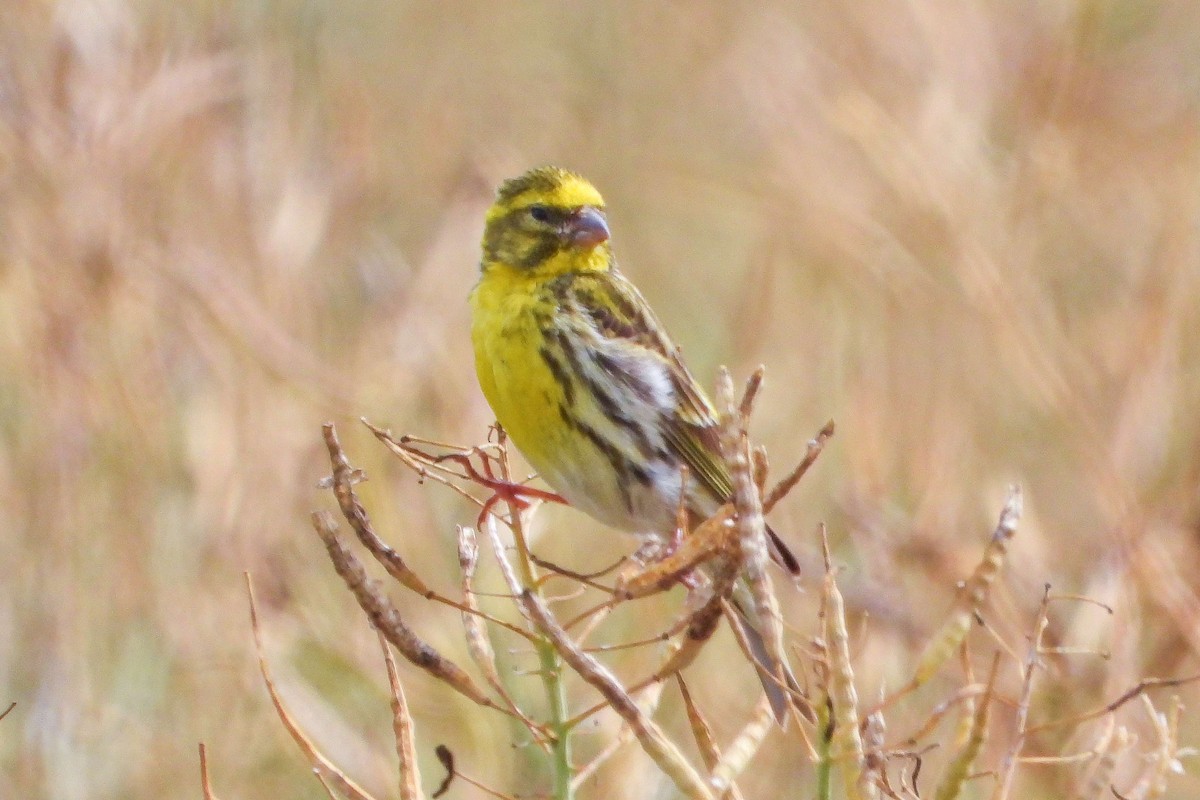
x: 587, y: 228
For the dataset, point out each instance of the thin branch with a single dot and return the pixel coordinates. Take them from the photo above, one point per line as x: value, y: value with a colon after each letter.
x: 1008, y: 767
x: 205, y: 784
x: 1142, y: 687
x: 324, y: 768
x: 385, y: 617
x: 815, y: 446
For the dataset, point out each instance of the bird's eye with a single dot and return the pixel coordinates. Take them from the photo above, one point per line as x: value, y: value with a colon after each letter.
x: 540, y: 213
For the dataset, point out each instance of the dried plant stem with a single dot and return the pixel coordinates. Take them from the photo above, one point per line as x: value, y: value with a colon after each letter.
x: 751, y: 528
x: 964, y: 695
x: 973, y: 595
x: 1143, y: 686
x: 1008, y: 767
x: 479, y: 643
x: 403, y: 728
x: 847, y: 746
x: 702, y: 732
x: 385, y: 617
x: 324, y: 769
x: 874, y: 729
x: 654, y: 742
x: 1164, y: 758
x: 815, y: 446
x: 959, y: 770
x: 342, y: 482
x: 648, y: 700
x: 844, y: 741
x: 738, y: 753
x: 205, y: 784
x: 1113, y: 744
x: 356, y: 515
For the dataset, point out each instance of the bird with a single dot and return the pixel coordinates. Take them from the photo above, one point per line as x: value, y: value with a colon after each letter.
x: 585, y: 381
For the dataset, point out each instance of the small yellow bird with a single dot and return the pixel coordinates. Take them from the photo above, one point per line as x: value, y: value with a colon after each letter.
x: 582, y: 376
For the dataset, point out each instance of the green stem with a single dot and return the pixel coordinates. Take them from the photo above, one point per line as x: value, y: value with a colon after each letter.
x: 824, y: 763
x: 550, y: 667
x: 549, y: 663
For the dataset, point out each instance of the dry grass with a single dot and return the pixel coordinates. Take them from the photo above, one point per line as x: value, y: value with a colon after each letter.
x: 968, y: 232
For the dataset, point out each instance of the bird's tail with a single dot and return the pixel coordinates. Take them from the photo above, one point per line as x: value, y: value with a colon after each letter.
x: 781, y: 554
x: 768, y: 668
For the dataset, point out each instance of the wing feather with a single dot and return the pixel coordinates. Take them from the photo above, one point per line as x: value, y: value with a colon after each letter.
x: 617, y: 311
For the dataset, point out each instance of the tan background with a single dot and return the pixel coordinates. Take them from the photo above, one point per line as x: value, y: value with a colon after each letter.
x: 966, y: 231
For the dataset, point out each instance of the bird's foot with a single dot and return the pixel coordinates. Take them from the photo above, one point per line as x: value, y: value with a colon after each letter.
x: 518, y: 496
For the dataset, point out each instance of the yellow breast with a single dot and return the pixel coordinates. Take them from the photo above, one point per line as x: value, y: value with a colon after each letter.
x: 528, y: 399
x: 506, y: 318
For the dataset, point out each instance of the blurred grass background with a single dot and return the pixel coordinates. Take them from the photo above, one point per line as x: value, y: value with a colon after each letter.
x: 969, y: 232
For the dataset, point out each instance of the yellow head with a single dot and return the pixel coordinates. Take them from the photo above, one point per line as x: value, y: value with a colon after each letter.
x: 547, y: 222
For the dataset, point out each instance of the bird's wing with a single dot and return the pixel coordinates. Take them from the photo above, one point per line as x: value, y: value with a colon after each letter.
x: 617, y: 312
